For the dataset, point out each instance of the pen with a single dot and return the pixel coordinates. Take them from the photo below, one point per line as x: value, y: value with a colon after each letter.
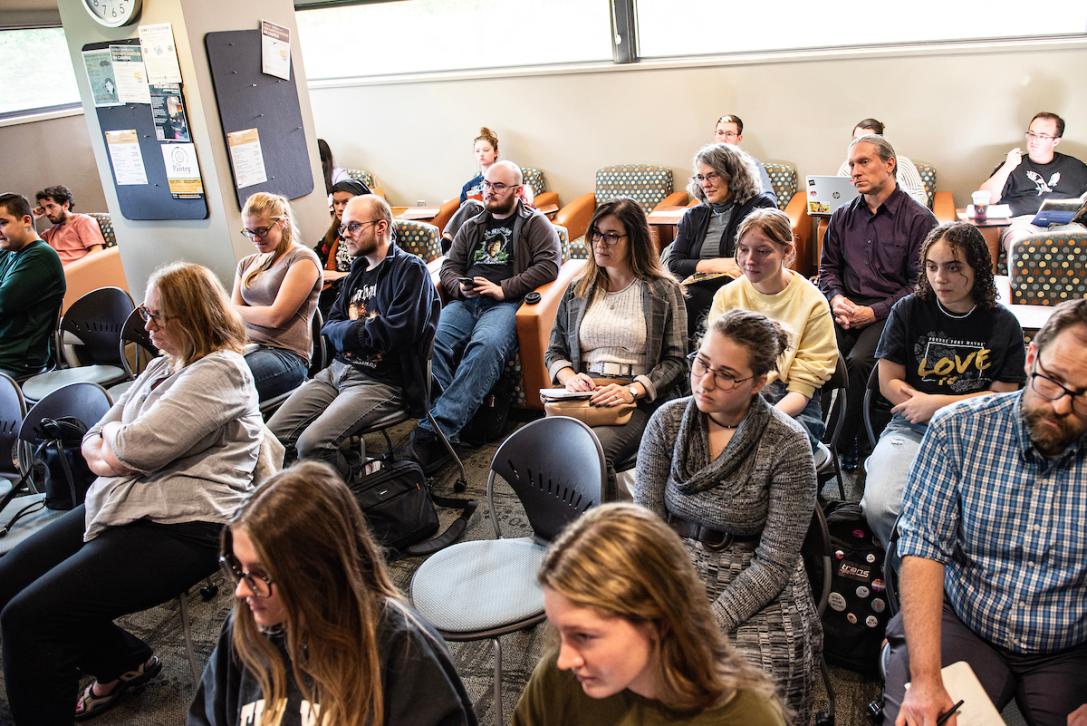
x: 943, y: 717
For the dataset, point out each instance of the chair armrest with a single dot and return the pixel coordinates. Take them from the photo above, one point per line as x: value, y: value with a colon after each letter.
x: 445, y: 212
x: 943, y: 206
x: 576, y: 215
x: 800, y: 222
x: 534, y: 323
x: 434, y: 267
x: 1003, y: 285
x: 675, y: 199
x: 545, y: 198
x: 98, y: 269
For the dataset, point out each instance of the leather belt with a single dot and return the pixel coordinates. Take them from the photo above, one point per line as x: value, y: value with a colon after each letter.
x: 713, y: 539
x: 606, y: 368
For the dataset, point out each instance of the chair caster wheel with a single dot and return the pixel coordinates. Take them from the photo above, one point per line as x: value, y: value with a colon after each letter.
x: 824, y: 719
x: 209, y: 591
x: 459, y: 486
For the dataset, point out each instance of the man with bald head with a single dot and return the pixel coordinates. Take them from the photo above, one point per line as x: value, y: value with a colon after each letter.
x: 496, y: 258
x: 386, y: 311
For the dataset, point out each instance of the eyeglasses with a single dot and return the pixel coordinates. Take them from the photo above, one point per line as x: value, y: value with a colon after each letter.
x: 147, y: 314
x: 259, y: 585
x: 729, y: 134
x: 259, y: 232
x: 1039, y: 137
x: 1052, y: 390
x: 722, y: 380
x: 609, y: 238
x: 352, y: 228
x: 711, y: 177
x: 498, y: 186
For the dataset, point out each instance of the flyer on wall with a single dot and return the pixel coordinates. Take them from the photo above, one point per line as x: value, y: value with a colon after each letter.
x: 168, y: 111
x: 159, y: 53
x: 130, y: 74
x: 99, y: 65
x: 275, y: 47
x: 246, y: 157
x: 124, y: 152
x: 182, y: 171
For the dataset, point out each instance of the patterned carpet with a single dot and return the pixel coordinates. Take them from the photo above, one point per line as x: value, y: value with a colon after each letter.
x: 165, y: 701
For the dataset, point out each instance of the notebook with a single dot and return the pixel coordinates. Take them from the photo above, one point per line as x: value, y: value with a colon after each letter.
x: 962, y: 684
x: 827, y: 193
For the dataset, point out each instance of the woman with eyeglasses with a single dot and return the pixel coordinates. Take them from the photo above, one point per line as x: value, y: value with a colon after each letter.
x: 734, y: 478
x: 948, y: 341
x: 276, y: 291
x: 764, y: 249
x: 637, y: 643
x: 175, y: 457
x: 726, y: 182
x: 319, y: 634
x: 332, y: 243
x: 623, y: 318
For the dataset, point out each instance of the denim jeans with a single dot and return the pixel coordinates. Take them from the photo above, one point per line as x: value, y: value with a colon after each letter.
x: 481, y: 332
x: 275, y: 371
x: 887, y: 468
x: 811, y: 418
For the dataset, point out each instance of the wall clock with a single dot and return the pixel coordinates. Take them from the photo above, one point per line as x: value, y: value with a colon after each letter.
x: 113, y: 13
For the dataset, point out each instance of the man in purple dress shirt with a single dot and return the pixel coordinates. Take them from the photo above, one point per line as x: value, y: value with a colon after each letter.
x: 869, y: 261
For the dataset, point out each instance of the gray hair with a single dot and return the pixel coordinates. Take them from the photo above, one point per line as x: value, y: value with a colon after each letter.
x: 737, y: 169
x: 884, y: 150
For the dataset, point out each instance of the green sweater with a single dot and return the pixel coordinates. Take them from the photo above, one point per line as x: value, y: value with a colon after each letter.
x: 553, y: 697
x: 31, y: 291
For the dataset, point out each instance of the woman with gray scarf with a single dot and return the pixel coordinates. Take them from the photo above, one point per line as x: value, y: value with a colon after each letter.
x: 735, y: 478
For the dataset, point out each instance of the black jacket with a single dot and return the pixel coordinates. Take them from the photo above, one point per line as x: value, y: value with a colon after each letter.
x: 692, y: 233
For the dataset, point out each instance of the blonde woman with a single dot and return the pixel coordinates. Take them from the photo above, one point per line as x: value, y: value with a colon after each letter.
x: 637, y: 640
x: 174, y: 457
x: 319, y: 633
x: 275, y: 292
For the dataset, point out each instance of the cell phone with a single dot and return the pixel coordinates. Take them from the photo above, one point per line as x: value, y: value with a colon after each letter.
x: 466, y: 281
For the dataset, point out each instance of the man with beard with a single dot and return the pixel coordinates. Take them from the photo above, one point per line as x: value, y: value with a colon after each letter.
x: 386, y: 311
x: 72, y: 235
x: 994, y: 543
x: 496, y: 258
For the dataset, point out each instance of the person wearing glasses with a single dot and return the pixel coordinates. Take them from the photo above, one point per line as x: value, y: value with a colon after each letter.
x: 622, y: 318
x: 735, y: 478
x: 726, y: 182
x: 332, y: 244
x: 275, y: 292
x: 729, y: 129
x: 319, y: 633
x: 992, y: 539
x: 496, y: 259
x: 386, y: 310
x: 175, y: 456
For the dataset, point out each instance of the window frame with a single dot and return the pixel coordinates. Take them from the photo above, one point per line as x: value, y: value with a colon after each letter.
x: 41, y: 113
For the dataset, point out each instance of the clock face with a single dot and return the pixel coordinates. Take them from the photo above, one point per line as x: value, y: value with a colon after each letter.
x: 113, y: 13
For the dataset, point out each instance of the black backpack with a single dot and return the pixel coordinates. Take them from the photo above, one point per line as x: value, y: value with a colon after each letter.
x: 857, y: 613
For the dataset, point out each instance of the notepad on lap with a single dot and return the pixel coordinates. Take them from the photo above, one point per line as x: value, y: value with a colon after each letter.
x: 561, y: 394
x: 962, y: 684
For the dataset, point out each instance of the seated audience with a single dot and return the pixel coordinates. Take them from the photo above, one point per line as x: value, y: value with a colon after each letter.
x: 485, y: 147
x: 386, y: 311
x: 869, y: 262
x: 729, y: 129
x: 32, y: 289
x: 175, y: 457
x: 621, y: 329
x: 726, y: 183
x: 332, y: 243
x: 734, y: 477
x: 319, y: 632
x: 332, y: 173
x: 275, y: 292
x: 764, y: 249
x: 993, y: 541
x: 906, y: 174
x: 72, y: 235
x: 637, y: 642
x: 497, y: 258
x: 470, y: 208
x: 948, y: 341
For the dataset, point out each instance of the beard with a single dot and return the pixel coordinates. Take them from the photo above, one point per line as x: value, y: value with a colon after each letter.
x: 1051, y: 440
x: 498, y: 207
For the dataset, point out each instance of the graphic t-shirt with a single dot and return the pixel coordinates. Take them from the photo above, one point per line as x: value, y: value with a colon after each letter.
x: 492, y: 257
x: 362, y: 305
x: 1030, y: 184
x: 952, y: 356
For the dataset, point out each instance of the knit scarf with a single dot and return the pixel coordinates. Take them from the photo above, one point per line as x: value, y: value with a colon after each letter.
x: 691, y: 448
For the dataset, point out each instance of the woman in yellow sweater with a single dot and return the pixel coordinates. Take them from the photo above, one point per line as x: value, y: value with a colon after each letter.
x: 764, y: 248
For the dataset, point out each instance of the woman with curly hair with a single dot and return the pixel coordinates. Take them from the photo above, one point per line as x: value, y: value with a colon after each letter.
x: 637, y: 640
x: 948, y: 341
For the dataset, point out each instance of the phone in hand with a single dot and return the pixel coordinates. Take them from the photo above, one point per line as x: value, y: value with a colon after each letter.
x: 466, y: 281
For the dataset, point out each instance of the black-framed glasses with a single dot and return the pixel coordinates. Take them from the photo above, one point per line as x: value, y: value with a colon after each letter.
x: 711, y: 177
x: 498, y: 186
x: 147, y: 314
x: 721, y: 379
x: 259, y: 232
x: 609, y: 238
x: 352, y: 228
x: 1052, y: 390
x: 1039, y: 137
x: 259, y: 585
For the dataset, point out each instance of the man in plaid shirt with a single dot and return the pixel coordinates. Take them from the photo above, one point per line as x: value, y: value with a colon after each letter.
x: 994, y: 544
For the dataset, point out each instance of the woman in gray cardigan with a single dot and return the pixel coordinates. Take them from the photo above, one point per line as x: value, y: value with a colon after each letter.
x: 174, y: 457
x: 735, y: 478
x: 623, y: 318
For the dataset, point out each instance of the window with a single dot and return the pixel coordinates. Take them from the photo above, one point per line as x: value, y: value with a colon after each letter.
x: 35, y: 71
x: 700, y: 27
x: 438, y: 35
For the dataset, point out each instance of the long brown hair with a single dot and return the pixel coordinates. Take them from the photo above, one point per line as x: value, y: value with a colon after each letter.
x: 206, y: 321
x: 623, y: 561
x: 645, y: 263
x: 310, y: 537
x: 276, y: 208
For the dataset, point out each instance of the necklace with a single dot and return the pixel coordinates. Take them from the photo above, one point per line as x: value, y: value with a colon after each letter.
x: 728, y: 427
x: 957, y: 316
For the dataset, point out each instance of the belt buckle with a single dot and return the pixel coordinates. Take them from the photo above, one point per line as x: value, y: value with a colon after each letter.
x: 707, y: 537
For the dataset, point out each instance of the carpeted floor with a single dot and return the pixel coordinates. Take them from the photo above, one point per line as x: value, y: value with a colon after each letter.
x: 165, y: 700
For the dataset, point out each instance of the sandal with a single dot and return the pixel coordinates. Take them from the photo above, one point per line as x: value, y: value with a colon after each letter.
x: 89, y: 704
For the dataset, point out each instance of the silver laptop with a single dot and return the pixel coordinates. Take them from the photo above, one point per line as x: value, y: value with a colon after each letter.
x: 827, y: 193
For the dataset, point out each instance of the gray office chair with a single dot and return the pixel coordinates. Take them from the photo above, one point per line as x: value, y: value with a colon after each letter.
x: 835, y: 393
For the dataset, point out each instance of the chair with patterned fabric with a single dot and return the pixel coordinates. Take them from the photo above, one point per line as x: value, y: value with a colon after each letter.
x: 105, y: 223
x: 366, y: 178
x: 535, y: 179
x: 1048, y: 269
x: 419, y: 238
x: 792, y: 201
x: 942, y: 204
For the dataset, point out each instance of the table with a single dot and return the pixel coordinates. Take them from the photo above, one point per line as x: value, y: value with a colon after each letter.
x: 419, y: 214
x: 662, y: 224
x: 991, y: 229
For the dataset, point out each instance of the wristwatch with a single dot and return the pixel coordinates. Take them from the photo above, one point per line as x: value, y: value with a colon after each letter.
x: 633, y: 391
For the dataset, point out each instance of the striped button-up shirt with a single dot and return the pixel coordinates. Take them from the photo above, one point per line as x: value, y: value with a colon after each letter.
x: 1009, y: 525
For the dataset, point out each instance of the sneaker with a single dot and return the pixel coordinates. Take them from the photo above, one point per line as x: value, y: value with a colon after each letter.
x: 850, y: 457
x: 429, y: 451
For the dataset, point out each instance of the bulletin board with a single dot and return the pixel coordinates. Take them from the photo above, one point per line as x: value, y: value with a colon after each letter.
x: 152, y: 200
x: 249, y: 99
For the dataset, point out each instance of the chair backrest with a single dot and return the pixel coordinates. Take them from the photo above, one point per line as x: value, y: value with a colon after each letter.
x: 784, y: 180
x: 134, y: 333
x: 834, y: 413
x: 105, y: 223
x: 319, y: 356
x: 556, y: 468
x: 418, y: 238
x: 12, y: 413
x: 927, y: 173
x: 876, y: 410
x: 816, y: 555
x: 1047, y: 269
x: 535, y: 179
x: 87, y: 402
x: 363, y: 176
x: 96, y: 319
x: 646, y: 184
